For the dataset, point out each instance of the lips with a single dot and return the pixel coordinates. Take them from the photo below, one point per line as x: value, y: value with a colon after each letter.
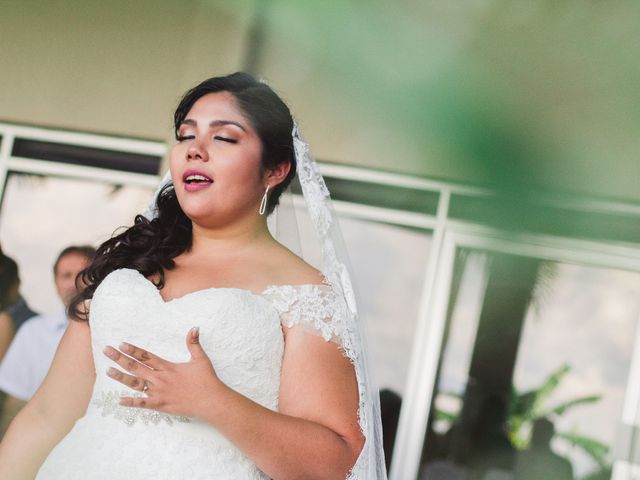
x: 191, y: 176
x: 195, y: 180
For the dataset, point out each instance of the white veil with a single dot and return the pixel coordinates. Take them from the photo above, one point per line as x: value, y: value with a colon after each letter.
x: 334, y: 267
x: 333, y: 264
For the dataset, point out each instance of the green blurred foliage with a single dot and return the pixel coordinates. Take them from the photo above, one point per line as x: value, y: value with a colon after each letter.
x: 509, y: 94
x: 527, y: 407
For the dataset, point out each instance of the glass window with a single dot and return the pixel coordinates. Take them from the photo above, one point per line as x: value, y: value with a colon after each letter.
x: 389, y: 266
x: 42, y: 215
x: 533, y: 369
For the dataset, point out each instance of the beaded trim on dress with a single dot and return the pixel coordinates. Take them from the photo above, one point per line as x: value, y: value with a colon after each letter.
x: 109, y: 403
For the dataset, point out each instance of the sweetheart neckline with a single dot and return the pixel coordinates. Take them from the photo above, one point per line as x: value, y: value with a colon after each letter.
x: 237, y: 289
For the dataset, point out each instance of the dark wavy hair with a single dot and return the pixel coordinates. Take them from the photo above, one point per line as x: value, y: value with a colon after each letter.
x: 149, y: 246
x: 8, y: 279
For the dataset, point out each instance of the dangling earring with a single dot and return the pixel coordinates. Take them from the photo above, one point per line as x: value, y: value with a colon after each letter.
x: 263, y: 203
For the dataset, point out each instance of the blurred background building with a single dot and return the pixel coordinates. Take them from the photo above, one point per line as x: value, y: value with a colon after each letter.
x: 483, y: 156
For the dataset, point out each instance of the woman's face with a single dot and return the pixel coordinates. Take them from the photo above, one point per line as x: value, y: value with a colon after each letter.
x: 215, y: 165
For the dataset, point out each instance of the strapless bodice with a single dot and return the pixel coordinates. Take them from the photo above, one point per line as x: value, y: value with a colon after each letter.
x: 240, y: 331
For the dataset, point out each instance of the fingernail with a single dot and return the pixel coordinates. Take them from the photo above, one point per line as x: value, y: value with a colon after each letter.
x: 111, y: 371
x: 125, y: 347
x: 195, y: 332
x: 108, y: 351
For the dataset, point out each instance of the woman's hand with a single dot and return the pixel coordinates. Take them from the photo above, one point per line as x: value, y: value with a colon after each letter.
x: 175, y: 388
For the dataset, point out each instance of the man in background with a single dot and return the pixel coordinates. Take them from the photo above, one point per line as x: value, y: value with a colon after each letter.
x: 29, y: 357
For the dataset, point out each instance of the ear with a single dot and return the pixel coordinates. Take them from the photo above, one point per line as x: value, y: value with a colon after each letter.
x: 276, y: 176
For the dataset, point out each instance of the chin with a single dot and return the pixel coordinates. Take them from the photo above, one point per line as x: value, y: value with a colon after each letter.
x: 200, y: 214
x: 196, y: 207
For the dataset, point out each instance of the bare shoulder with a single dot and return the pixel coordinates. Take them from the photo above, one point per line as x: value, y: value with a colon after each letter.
x: 291, y: 269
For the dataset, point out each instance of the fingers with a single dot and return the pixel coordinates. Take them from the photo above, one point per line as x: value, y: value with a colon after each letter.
x: 135, y: 383
x: 193, y: 343
x: 142, y: 356
x: 139, y: 402
x: 126, y: 362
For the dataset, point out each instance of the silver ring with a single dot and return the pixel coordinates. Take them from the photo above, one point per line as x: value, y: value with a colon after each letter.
x: 145, y: 387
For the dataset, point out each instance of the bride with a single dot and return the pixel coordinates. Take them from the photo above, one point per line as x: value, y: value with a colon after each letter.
x: 202, y: 347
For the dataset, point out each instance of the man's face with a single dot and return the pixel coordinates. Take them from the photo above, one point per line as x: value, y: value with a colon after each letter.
x: 65, y: 277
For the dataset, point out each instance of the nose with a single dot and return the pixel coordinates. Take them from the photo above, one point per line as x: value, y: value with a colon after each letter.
x: 197, y: 151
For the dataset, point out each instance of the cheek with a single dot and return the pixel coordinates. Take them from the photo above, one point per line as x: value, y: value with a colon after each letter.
x: 241, y: 173
x: 242, y: 184
x: 174, y: 163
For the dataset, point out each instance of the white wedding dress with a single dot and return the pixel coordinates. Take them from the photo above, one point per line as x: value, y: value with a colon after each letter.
x: 241, y: 332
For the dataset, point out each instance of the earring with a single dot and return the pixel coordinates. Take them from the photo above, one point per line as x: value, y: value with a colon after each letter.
x: 263, y: 203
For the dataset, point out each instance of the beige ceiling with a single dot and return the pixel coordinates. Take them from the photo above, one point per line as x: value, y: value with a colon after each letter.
x: 510, y: 94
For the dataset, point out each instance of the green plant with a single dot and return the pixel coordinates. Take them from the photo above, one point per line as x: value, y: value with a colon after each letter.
x: 525, y: 408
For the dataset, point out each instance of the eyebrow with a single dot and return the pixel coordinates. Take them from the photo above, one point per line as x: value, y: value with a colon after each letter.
x: 214, y: 123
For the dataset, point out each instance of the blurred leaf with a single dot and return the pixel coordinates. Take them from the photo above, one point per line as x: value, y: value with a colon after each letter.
x: 534, y: 400
x: 592, y: 447
x: 442, y: 415
x: 562, y: 408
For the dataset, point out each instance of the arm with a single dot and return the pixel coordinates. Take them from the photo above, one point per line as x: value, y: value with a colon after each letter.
x: 10, y: 408
x: 316, y: 432
x: 59, y: 402
x: 6, y: 332
x: 314, y: 435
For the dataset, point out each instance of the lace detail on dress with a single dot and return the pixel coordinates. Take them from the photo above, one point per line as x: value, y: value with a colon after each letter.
x: 109, y: 403
x: 317, y: 308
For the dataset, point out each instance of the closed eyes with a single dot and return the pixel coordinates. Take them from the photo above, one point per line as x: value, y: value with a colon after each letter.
x: 181, y: 138
x: 225, y: 139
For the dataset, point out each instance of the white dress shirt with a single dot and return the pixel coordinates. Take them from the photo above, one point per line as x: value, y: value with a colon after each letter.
x: 30, y: 354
